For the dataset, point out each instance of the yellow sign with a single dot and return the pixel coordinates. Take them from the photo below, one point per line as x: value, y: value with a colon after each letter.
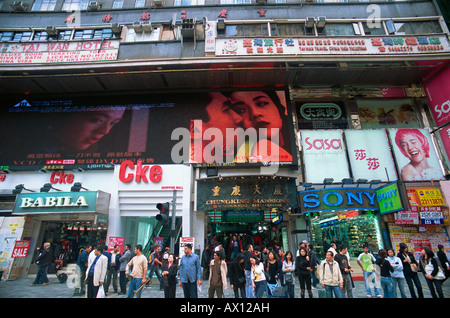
x: 430, y: 197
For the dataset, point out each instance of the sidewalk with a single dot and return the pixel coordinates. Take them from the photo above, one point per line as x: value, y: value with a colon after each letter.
x: 21, y: 288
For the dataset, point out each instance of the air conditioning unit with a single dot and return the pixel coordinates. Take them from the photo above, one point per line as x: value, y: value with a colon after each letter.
x: 116, y: 28
x: 19, y: 6
x: 158, y: 3
x: 51, y: 30
x: 188, y: 28
x: 137, y: 26
x: 261, y: 1
x: 94, y: 5
x: 147, y: 26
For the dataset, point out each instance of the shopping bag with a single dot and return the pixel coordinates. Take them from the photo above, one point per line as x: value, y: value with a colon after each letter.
x: 101, y: 292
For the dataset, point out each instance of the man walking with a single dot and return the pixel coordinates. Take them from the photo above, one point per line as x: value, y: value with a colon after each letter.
x: 330, y: 276
x: 96, y: 272
x: 154, y: 264
x: 139, y: 272
x: 366, y: 261
x: 123, y: 265
x: 190, y: 272
x: 114, y: 268
x: 344, y: 266
x: 44, y: 259
x: 82, y: 265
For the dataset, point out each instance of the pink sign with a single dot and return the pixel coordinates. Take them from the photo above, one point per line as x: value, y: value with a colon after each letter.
x: 116, y: 240
x: 438, y: 96
x: 445, y: 136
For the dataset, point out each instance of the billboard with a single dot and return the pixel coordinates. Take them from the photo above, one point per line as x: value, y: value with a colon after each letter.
x: 370, y: 155
x: 415, y: 155
x: 438, y: 97
x: 216, y: 128
x: 324, y: 155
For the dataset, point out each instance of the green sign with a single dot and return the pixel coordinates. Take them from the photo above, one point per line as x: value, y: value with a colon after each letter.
x: 60, y: 202
x: 389, y: 199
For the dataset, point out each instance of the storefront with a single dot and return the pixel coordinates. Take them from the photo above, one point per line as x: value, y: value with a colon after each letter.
x: 424, y: 224
x: 67, y: 220
x: 254, y: 208
x: 140, y: 188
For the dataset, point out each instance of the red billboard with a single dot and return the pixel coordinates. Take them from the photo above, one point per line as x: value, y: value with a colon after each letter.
x: 438, y: 95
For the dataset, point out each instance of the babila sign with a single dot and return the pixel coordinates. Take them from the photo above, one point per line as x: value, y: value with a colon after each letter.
x: 61, y: 202
x: 385, y: 199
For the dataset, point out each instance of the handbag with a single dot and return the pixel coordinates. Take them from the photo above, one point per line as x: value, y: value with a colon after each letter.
x: 288, y: 278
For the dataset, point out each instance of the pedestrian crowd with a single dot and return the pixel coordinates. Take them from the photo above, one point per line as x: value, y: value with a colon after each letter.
x: 254, y: 271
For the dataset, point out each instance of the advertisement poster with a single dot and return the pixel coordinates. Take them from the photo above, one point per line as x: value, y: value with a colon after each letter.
x: 321, y: 115
x: 116, y: 240
x: 396, y: 113
x: 415, y: 155
x: 324, y: 155
x: 438, y: 96
x: 183, y: 242
x: 444, y: 133
x: 370, y: 156
x: 99, y: 132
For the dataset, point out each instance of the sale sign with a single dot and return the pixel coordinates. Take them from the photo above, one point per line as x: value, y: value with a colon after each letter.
x: 21, y: 249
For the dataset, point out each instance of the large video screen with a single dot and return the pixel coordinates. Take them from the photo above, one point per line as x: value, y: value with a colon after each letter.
x: 204, y: 129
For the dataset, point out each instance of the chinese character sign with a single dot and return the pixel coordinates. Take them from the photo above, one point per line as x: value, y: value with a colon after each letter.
x: 415, y: 155
x: 369, y: 155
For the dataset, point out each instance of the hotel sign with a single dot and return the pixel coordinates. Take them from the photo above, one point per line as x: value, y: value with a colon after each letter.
x: 244, y: 195
x: 389, y: 45
x: 58, y: 52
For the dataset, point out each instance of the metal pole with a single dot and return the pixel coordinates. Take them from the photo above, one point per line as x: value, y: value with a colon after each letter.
x: 172, y: 229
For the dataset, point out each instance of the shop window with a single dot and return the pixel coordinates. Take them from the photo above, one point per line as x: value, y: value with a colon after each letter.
x: 117, y: 4
x: 43, y: 5
x: 287, y: 29
x: 189, y: 2
x: 70, y: 5
x: 338, y: 29
x: 372, y: 30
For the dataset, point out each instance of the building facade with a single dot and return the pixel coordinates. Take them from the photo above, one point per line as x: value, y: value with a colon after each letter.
x: 153, y: 100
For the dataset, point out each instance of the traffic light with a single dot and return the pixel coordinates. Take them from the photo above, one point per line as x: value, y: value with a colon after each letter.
x: 163, y: 216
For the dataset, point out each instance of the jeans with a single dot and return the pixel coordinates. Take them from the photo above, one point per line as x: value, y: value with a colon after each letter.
x: 259, y: 288
x: 414, y: 278
x: 41, y: 276
x: 388, y: 287
x: 347, y: 289
x: 190, y: 290
x: 290, y: 290
x: 370, y: 281
x: 333, y: 289
x: 249, y: 293
x: 400, y: 282
x: 135, y: 284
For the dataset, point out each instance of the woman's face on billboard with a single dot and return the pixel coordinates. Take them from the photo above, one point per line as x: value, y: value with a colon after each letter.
x: 413, y: 148
x: 257, y: 110
x: 86, y: 128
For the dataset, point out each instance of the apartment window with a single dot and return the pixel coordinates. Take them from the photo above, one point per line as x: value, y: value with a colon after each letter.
x: 338, y: 29
x: 235, y: 1
x: 65, y: 35
x: 43, y: 5
x: 250, y: 30
x: 372, y: 30
x: 139, y: 3
x: 414, y: 27
x: 15, y: 36
x: 117, y: 4
x: 70, y: 5
x: 287, y: 29
x: 40, y: 36
x: 189, y: 2
x: 154, y: 35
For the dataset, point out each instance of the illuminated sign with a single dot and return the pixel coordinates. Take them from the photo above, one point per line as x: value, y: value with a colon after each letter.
x: 389, y: 199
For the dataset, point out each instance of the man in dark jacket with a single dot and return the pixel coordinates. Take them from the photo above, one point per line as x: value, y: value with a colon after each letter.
x: 44, y: 259
x: 342, y: 259
x: 206, y: 259
x: 82, y: 263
